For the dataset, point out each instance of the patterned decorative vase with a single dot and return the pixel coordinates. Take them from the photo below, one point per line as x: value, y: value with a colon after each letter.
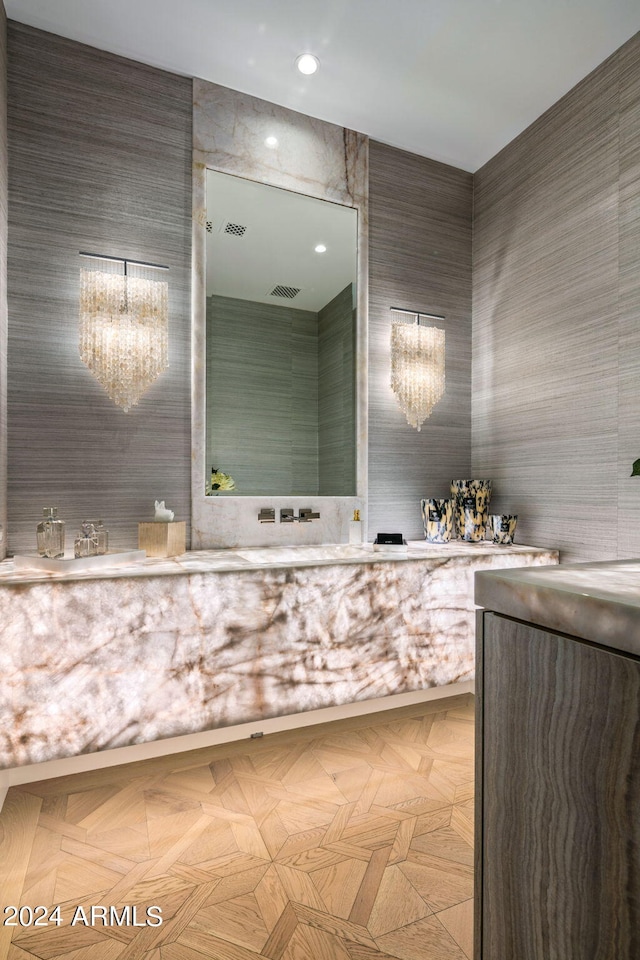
x: 501, y: 528
x: 471, y: 507
x: 437, y: 518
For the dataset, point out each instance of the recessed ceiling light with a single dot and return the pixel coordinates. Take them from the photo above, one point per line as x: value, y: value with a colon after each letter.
x: 307, y: 63
x: 320, y: 248
x: 271, y: 142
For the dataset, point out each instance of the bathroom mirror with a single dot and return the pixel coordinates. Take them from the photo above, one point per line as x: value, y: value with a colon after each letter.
x: 280, y: 340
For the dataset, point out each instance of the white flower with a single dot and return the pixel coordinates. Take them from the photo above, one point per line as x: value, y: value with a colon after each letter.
x: 219, y: 481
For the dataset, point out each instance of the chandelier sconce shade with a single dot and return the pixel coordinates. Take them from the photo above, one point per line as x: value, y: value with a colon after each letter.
x: 417, y: 364
x: 124, y: 325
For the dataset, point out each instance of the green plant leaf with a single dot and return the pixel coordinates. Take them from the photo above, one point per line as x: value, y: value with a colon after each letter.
x: 635, y: 470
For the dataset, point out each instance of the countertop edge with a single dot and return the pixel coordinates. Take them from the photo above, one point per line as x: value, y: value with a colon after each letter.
x: 172, y: 567
x: 609, y: 622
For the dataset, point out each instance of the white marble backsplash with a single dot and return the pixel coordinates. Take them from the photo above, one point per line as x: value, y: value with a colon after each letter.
x: 233, y: 521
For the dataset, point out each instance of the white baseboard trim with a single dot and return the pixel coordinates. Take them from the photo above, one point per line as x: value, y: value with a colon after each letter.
x: 15, y: 776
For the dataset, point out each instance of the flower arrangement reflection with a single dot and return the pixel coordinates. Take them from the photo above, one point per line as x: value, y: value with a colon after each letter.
x: 219, y: 482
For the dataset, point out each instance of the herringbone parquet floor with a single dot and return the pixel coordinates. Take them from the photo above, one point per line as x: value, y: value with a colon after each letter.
x: 350, y: 841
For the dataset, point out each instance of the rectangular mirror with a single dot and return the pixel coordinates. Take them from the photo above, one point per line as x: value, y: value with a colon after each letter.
x: 280, y: 340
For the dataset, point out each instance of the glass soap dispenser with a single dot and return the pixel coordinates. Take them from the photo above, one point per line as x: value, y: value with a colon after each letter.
x: 355, y: 528
x: 50, y: 534
x: 102, y: 535
x: 86, y: 543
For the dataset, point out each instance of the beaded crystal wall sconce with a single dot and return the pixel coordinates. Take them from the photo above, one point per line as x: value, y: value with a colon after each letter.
x: 124, y: 324
x: 417, y: 364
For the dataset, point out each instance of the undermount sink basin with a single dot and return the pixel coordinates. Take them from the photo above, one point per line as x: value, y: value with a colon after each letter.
x: 303, y: 552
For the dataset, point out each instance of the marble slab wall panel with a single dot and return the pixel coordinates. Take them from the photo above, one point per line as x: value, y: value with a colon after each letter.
x: 420, y: 259
x: 216, y: 649
x: 629, y: 299
x: 4, y: 176
x: 100, y: 161
x: 312, y: 157
x: 556, y: 300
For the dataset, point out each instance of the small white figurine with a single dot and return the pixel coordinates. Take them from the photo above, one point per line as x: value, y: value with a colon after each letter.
x: 162, y: 514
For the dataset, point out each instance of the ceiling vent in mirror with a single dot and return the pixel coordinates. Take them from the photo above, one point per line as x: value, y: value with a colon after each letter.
x: 235, y: 229
x: 288, y: 292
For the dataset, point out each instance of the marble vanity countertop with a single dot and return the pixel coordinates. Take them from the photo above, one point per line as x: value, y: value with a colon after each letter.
x: 280, y: 557
x: 163, y: 648
x: 597, y: 601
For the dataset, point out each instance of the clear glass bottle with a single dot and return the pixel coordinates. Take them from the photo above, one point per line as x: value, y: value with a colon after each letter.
x: 103, y: 537
x: 50, y: 534
x: 86, y: 543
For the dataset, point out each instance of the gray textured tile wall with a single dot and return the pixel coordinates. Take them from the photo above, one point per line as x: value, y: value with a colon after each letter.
x: 100, y: 160
x: 419, y: 259
x: 628, y: 60
x: 262, y: 396
x: 336, y: 396
x: 556, y: 298
x: 4, y: 173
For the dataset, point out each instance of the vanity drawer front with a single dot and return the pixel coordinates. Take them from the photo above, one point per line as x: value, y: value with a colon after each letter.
x: 559, y: 832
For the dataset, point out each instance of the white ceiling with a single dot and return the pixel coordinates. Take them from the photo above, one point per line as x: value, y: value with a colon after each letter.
x: 454, y: 80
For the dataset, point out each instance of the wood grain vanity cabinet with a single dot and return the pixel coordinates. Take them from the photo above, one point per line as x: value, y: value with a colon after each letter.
x: 558, y: 787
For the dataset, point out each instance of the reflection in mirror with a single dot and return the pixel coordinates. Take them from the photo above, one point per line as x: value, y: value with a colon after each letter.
x: 281, y: 335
